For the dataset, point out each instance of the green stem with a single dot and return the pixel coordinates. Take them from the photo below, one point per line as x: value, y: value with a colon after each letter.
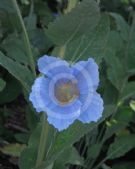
x: 43, y: 141
x: 30, y: 55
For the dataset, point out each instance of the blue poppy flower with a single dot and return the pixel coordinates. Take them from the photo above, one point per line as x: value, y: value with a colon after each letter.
x: 67, y: 93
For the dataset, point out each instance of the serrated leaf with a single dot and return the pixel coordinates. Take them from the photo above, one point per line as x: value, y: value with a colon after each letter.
x: 121, y: 146
x: 73, y: 24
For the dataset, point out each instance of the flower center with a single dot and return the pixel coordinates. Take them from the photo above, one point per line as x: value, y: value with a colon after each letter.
x: 66, y: 92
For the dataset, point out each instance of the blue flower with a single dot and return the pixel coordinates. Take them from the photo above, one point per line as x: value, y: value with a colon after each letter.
x: 67, y: 93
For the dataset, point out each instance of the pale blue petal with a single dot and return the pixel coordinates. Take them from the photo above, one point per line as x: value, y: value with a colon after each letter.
x: 87, y: 75
x: 60, y: 124
x: 39, y: 95
x: 51, y: 66
x: 94, y: 109
x: 68, y: 111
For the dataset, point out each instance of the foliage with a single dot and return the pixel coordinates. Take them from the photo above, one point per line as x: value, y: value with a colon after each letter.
x: 77, y: 30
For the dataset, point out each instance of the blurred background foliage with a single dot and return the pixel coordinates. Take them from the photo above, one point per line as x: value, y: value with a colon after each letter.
x: 107, y: 33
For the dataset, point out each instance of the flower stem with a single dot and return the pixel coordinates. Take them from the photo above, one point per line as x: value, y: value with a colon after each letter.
x: 43, y: 141
x: 26, y: 38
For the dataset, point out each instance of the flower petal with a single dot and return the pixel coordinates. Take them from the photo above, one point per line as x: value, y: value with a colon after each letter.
x: 87, y: 75
x: 60, y: 124
x: 39, y: 95
x: 51, y: 66
x: 94, y: 109
x: 70, y: 111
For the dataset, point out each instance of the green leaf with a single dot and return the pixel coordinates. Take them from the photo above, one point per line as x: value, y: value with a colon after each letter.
x: 73, y: 24
x: 11, y: 90
x: 26, y: 2
x: 15, y: 48
x: 22, y: 137
x: 121, y: 146
x: 13, y: 149
x: 110, y: 92
x: 2, y: 84
x: 128, y: 91
x: 112, y: 128
x: 90, y: 44
x: 116, y: 72
x: 104, y: 166
x: 132, y: 105
x: 122, y: 25
x: 124, y: 115
x: 6, y: 6
x: 68, y: 156
x: 20, y: 72
x: 94, y: 150
x: 28, y: 157
x: 31, y: 118
x: 67, y: 138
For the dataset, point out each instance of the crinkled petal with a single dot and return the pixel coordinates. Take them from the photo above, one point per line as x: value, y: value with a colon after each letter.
x: 86, y: 72
x: 39, y: 95
x: 51, y: 66
x: 94, y: 109
x: 68, y: 111
x: 60, y: 124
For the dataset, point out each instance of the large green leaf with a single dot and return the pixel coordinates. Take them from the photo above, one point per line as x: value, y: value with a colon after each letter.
x: 15, y: 48
x: 73, y: 24
x: 6, y: 6
x: 19, y: 71
x: 90, y: 44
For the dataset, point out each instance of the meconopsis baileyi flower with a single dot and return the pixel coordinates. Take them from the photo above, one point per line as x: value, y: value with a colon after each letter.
x: 67, y: 92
